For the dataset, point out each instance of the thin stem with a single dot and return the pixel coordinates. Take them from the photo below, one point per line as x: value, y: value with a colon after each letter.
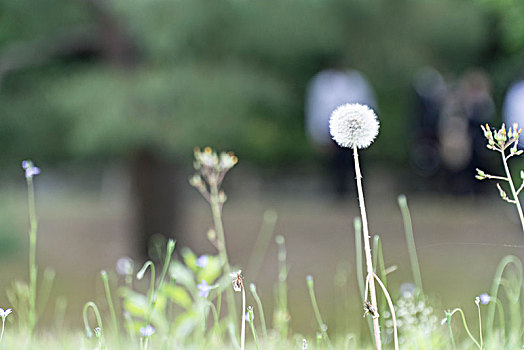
x: 367, y: 248
x: 497, y: 281
x: 480, y: 325
x: 221, y: 246
x: 89, y: 333
x: 495, y: 177
x: 151, y: 291
x: 33, y: 270
x: 465, y: 326
x: 448, y: 321
x: 107, y: 289
x: 260, y: 309
x: 3, y: 327
x: 321, y: 325
x: 357, y: 223
x: 262, y: 243
x: 252, y: 324
x: 243, y: 321
x: 283, y: 318
x: 410, y: 240
x: 391, y: 309
x: 513, y: 191
x: 501, y: 316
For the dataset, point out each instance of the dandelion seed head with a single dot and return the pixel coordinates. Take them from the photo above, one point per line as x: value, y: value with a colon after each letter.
x: 353, y: 124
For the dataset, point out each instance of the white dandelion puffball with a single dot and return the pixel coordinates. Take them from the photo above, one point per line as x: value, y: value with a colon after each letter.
x: 353, y: 124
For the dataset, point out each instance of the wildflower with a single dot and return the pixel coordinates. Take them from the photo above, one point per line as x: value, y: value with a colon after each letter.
x: 237, y: 281
x: 5, y: 313
x: 227, y: 161
x: 30, y: 169
x: 484, y: 298
x: 444, y: 321
x: 202, y: 261
x: 204, y: 289
x: 353, y: 125
x: 125, y: 266
x: 98, y: 332
x: 304, y: 344
x: 147, y: 331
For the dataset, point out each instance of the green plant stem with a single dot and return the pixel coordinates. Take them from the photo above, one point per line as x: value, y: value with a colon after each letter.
x: 512, y: 187
x: 3, y: 328
x: 501, y: 317
x: 33, y: 270
x: 107, y: 289
x: 497, y: 281
x: 221, y: 246
x: 252, y: 325
x: 410, y: 240
x: 89, y: 332
x: 448, y: 321
x: 151, y: 291
x: 480, y: 326
x: 283, y: 319
x: 262, y: 243
x: 260, y: 309
x: 367, y: 248
x: 465, y: 326
x: 321, y: 325
x: 391, y: 310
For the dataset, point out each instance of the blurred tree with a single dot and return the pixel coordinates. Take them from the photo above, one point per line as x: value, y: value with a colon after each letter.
x: 149, y: 80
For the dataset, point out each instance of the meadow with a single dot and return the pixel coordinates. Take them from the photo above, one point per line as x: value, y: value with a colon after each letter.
x: 277, y: 296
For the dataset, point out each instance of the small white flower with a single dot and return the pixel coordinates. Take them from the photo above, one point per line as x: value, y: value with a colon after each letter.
x: 5, y: 313
x: 353, y: 124
x: 147, y: 331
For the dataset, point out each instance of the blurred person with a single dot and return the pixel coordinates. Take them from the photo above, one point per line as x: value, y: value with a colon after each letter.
x: 430, y: 92
x: 513, y: 106
x: 327, y: 90
x: 462, y: 142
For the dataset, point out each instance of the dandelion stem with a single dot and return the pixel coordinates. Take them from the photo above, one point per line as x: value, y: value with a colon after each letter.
x: 513, y: 191
x: 367, y: 248
x: 33, y: 270
x: 243, y: 321
x: 391, y: 309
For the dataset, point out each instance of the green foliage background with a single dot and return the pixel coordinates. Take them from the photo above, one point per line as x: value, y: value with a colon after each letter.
x: 230, y: 73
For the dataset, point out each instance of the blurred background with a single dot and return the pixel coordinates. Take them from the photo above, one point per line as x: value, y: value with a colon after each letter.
x: 109, y: 98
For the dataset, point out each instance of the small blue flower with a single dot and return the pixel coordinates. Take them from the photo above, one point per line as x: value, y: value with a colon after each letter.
x: 30, y: 169
x: 204, y: 289
x: 484, y: 298
x: 202, y: 261
x: 147, y: 331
